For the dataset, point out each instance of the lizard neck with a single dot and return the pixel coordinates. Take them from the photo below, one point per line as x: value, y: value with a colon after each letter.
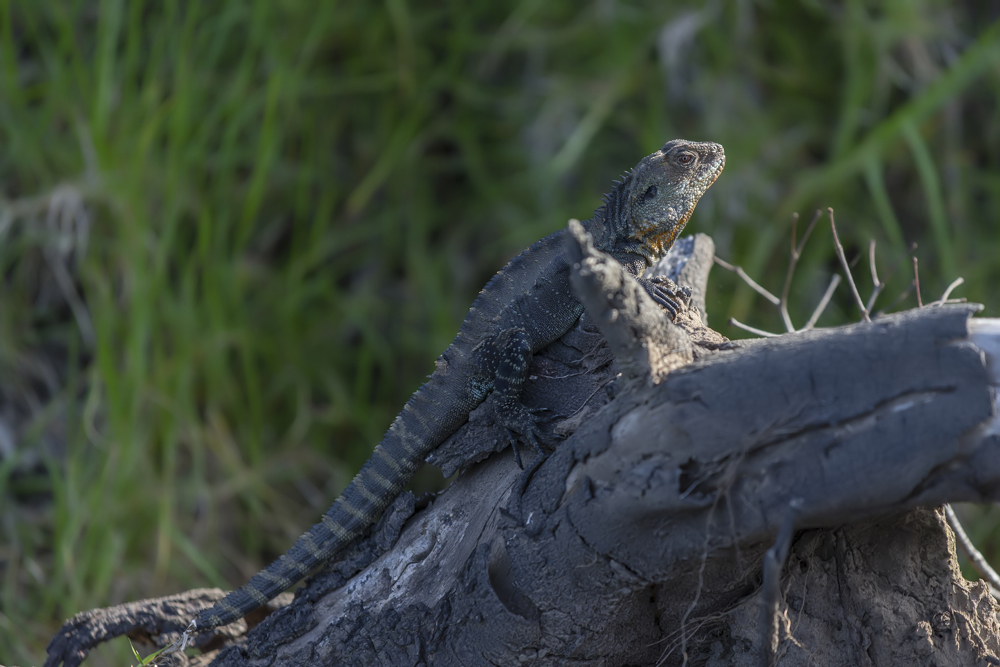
x: 635, y: 244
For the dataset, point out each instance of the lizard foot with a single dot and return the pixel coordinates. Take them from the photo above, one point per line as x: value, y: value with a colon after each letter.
x: 186, y: 639
x: 521, y: 424
x: 667, y: 293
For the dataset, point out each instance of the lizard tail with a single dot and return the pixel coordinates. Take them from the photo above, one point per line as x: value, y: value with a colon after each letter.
x: 378, y: 483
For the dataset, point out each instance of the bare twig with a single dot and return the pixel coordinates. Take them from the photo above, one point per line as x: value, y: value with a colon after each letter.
x: 796, y: 252
x: 821, y: 306
x: 770, y: 594
x: 738, y: 270
x: 809, y: 229
x: 847, y: 268
x: 792, y: 261
x: 975, y: 557
x: 871, y: 263
x: 880, y: 285
x: 916, y: 283
x: 944, y: 297
x: 746, y: 327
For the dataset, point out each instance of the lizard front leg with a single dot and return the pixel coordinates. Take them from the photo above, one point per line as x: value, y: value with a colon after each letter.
x: 504, y: 359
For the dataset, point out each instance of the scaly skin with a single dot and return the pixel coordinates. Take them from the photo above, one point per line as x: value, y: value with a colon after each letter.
x: 526, y: 306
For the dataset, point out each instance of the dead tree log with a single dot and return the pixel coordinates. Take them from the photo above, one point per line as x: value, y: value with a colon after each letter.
x: 646, y: 536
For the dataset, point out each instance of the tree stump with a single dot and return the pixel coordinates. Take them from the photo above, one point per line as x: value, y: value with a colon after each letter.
x: 708, y: 502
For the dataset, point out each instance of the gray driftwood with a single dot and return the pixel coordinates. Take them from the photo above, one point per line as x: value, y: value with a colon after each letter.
x: 641, y: 538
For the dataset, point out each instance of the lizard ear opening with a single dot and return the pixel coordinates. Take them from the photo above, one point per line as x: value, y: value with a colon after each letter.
x: 650, y: 193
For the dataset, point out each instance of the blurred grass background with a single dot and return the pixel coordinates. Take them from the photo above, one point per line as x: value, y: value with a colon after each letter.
x: 235, y: 235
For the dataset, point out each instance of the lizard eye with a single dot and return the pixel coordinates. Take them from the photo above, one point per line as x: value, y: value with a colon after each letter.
x: 650, y: 193
x: 685, y: 158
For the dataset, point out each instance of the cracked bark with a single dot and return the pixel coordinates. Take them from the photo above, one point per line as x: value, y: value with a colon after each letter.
x: 640, y: 539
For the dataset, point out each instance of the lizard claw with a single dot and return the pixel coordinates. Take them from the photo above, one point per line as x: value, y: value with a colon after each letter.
x: 186, y: 639
x: 526, y: 432
x: 666, y: 293
x: 521, y: 425
x: 517, y: 453
x: 682, y: 291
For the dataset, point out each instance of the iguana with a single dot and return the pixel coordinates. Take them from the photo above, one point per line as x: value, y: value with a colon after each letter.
x: 523, y: 308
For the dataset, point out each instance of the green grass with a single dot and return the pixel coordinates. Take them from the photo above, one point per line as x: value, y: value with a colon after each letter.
x: 270, y: 217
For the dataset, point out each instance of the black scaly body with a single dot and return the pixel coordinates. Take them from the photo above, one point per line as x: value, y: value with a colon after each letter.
x: 523, y: 308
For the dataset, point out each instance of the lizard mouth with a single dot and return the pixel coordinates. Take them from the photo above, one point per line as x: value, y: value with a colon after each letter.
x: 702, y: 184
x: 659, y: 237
x: 721, y: 163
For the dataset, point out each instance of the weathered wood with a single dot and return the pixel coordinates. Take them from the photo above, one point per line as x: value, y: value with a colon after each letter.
x: 640, y: 538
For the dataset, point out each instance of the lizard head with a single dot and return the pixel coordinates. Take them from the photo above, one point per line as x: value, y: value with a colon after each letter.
x: 655, y: 200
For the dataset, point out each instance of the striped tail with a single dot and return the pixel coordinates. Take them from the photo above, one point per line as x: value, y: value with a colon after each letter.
x: 381, y: 479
